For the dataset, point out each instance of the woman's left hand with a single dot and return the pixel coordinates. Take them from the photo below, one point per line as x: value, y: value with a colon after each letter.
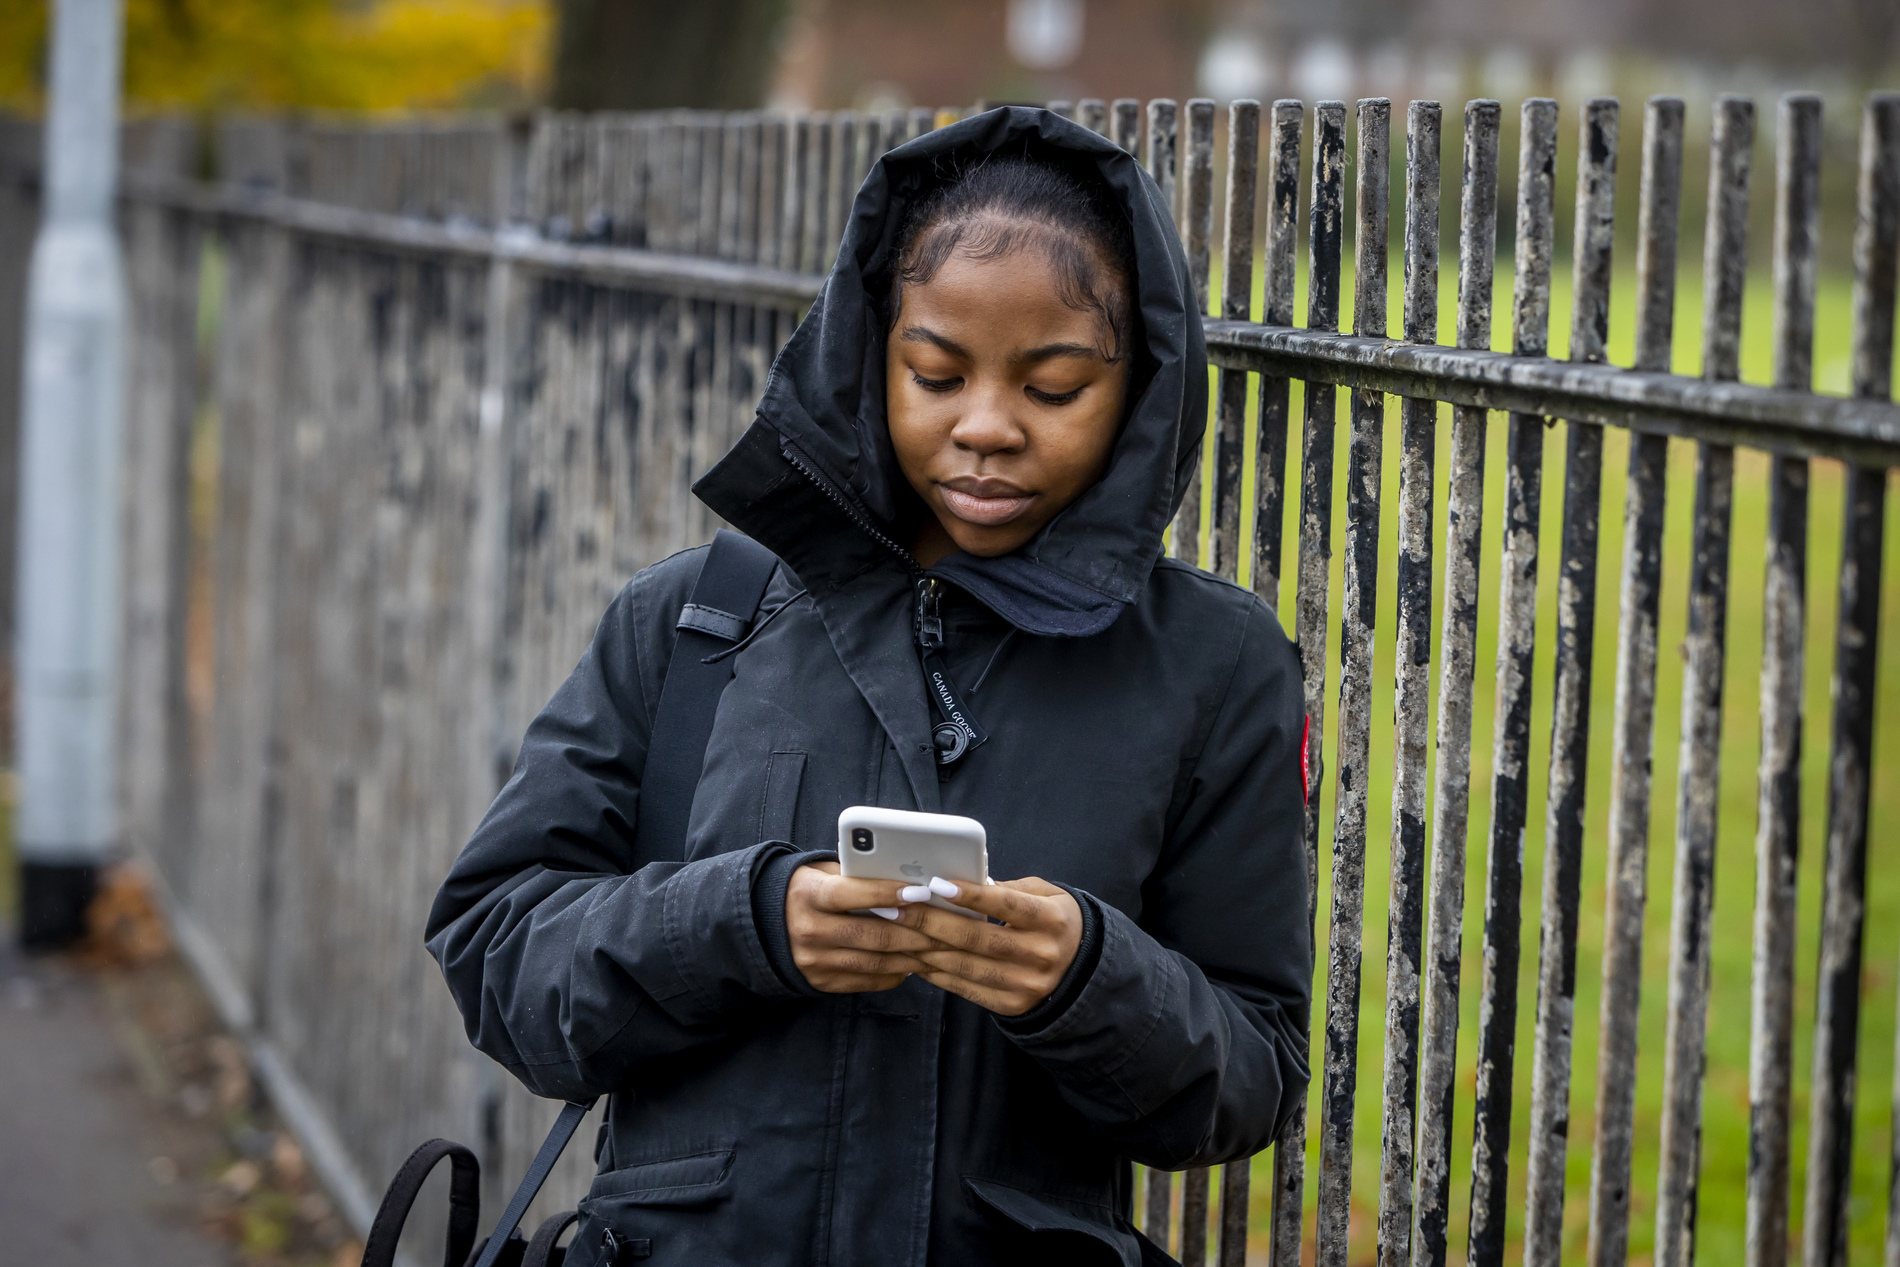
x: 1007, y: 969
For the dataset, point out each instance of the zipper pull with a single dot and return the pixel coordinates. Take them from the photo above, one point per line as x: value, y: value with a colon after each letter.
x: 929, y: 619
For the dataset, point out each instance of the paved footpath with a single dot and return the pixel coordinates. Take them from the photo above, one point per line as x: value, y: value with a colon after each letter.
x: 90, y: 1163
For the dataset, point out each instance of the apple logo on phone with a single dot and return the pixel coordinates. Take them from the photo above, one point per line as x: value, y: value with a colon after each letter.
x: 912, y: 869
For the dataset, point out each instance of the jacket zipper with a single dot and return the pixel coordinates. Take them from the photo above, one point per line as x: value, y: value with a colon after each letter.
x: 929, y: 617
x: 850, y: 508
x: 958, y: 731
x: 926, y: 623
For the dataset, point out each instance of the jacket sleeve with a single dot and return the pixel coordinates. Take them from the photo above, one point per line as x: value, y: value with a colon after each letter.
x: 1187, y: 1044
x: 570, y: 963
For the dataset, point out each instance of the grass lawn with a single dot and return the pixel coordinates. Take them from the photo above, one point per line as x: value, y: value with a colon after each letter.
x: 1725, y: 1103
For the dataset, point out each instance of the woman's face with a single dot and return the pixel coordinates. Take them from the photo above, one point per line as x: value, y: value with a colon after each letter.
x: 1001, y: 405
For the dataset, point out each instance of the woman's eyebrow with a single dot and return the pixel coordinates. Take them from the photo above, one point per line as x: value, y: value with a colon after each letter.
x: 1030, y: 356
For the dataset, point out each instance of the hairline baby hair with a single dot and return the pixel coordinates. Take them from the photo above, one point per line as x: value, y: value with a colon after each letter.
x: 995, y: 205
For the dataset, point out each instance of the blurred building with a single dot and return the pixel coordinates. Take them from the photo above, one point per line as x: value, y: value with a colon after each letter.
x: 878, y: 53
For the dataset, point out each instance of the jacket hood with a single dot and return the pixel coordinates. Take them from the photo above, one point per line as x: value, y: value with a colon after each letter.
x: 819, y: 450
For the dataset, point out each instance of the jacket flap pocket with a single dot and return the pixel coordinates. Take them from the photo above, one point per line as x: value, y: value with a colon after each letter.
x: 1047, y: 1212
x: 778, y: 809
x: 680, y: 1180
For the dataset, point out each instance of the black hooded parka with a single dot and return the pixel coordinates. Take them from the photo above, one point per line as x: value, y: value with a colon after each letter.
x: 1144, y: 751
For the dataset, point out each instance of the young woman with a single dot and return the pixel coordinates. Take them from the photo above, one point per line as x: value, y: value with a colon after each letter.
x: 964, y: 457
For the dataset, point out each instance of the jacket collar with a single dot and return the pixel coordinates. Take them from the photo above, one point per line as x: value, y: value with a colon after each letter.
x: 814, y: 478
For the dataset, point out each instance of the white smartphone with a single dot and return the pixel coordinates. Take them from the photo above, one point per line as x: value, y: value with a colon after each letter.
x: 912, y: 846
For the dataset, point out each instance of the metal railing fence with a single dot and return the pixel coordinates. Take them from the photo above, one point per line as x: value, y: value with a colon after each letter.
x: 464, y: 371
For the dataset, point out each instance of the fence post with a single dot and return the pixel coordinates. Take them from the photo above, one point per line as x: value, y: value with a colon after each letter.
x: 1418, y: 423
x: 1274, y: 394
x: 162, y: 264
x: 1685, y: 1041
x: 491, y: 753
x: 1778, y: 819
x: 1358, y: 605
x: 1316, y: 550
x: 1197, y: 229
x: 1243, y: 147
x: 1510, y: 762
x: 1633, y: 739
x: 1438, y: 1037
x: 1570, y: 711
x: 1843, y: 903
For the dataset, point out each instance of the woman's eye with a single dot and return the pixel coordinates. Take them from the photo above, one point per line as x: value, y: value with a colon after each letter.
x: 934, y: 384
x: 1055, y: 398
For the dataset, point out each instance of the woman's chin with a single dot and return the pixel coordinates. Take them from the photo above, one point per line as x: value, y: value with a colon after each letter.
x: 987, y: 543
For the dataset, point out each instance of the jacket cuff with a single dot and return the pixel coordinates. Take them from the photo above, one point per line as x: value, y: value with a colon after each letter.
x: 768, y: 912
x: 1101, y: 1040
x: 1080, y: 969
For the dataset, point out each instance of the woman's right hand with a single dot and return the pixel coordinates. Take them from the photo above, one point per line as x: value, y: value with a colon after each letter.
x: 839, y: 950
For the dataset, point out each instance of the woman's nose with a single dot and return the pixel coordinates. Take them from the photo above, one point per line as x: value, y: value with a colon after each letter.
x: 988, y: 423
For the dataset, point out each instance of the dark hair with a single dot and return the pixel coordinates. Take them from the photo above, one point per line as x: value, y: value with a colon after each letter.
x: 997, y: 204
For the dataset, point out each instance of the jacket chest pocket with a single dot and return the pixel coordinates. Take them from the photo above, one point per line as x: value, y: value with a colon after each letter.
x: 778, y: 800
x: 746, y: 796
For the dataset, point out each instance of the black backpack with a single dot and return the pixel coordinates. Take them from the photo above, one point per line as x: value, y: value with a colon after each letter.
x: 731, y: 581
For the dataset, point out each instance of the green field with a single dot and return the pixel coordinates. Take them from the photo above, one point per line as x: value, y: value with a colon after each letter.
x: 1725, y: 1115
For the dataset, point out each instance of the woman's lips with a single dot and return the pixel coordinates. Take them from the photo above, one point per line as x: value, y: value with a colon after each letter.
x: 987, y: 511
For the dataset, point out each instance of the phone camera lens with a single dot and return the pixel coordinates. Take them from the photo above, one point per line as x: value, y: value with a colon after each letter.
x: 861, y: 839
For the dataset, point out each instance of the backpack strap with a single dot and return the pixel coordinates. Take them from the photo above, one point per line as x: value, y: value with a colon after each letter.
x: 542, y: 1251
x: 538, y: 1171
x: 725, y: 599
x: 465, y: 1204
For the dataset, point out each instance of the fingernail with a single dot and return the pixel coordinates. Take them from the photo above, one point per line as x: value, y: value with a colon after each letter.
x: 914, y: 893
x: 888, y: 912
x: 942, y: 887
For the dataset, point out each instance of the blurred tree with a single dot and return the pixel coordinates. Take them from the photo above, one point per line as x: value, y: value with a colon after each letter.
x: 314, y: 54
x: 641, y: 54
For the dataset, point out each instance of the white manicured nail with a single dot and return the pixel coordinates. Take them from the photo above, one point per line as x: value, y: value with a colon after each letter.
x: 942, y: 887
x: 914, y: 893
x: 888, y: 912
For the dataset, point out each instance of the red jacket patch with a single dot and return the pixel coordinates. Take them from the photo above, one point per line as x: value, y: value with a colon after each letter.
x: 1306, y: 782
